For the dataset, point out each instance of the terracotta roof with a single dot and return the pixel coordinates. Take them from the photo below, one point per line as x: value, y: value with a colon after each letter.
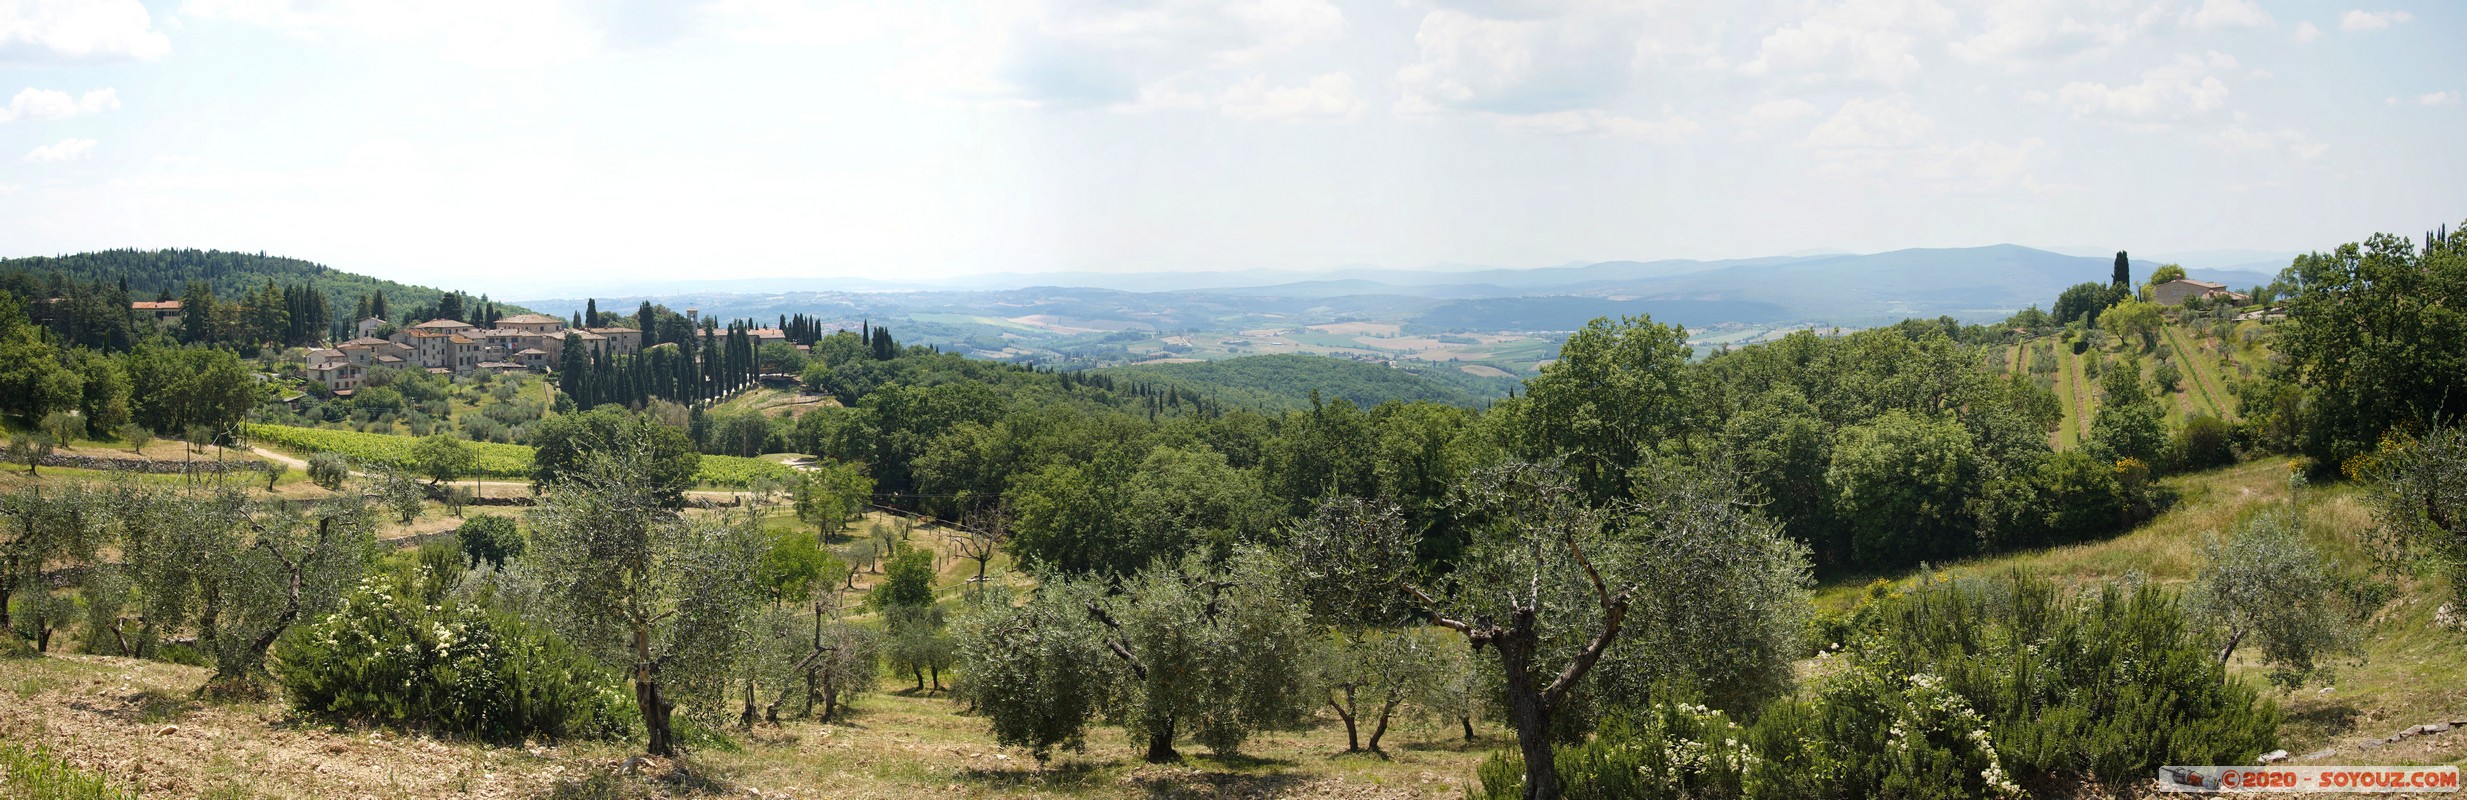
x: 459, y: 339
x: 2202, y: 284
x: 531, y: 351
x: 368, y: 341
x: 443, y: 323
x: 529, y: 319
x: 612, y: 331
x: 587, y: 335
x: 396, y: 359
x: 155, y: 305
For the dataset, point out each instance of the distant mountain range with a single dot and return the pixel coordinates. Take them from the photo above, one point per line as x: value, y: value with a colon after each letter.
x: 1448, y: 280
x: 1824, y: 289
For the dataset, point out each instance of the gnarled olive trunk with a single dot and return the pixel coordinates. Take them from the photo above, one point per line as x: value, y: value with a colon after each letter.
x: 1161, y: 743
x: 1530, y: 713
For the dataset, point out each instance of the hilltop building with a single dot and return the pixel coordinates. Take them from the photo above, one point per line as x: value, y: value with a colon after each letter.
x: 161, y: 310
x: 2180, y: 290
x: 452, y: 347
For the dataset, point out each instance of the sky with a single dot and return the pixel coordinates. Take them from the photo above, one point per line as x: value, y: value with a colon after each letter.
x: 533, y: 146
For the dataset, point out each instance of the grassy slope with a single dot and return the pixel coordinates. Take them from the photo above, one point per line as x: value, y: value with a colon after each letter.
x: 2412, y: 672
x: 2074, y: 393
x: 109, y: 716
x: 2202, y: 375
x: 496, y: 460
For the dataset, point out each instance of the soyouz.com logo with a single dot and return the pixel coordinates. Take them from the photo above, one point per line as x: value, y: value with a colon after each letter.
x: 2308, y: 779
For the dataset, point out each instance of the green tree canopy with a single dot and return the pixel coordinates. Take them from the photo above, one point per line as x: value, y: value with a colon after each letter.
x: 562, y: 445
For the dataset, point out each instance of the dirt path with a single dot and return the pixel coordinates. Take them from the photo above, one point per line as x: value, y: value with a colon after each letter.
x: 505, y: 488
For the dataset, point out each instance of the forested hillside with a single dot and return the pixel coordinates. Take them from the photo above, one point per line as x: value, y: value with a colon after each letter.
x: 152, y: 274
x: 1286, y: 382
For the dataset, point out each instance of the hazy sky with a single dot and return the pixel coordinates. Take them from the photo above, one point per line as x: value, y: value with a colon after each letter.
x: 517, y: 146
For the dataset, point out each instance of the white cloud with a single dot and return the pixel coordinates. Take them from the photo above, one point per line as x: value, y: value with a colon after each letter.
x: 2228, y: 14
x: 1328, y: 96
x: 63, y: 150
x: 2307, y: 32
x: 1871, y: 122
x: 54, y: 31
x: 797, y: 23
x: 1775, y: 112
x: 2020, y: 32
x: 1097, y: 53
x: 2445, y: 98
x: 2239, y: 139
x: 2185, y: 87
x: 53, y: 104
x: 488, y: 33
x: 1596, y: 122
x: 1518, y: 65
x: 1864, y: 39
x: 2362, y: 20
x: 1981, y: 164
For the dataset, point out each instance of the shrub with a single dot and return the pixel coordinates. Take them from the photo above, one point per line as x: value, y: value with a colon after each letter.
x: 2203, y: 442
x: 2110, y: 686
x: 386, y: 657
x: 490, y: 539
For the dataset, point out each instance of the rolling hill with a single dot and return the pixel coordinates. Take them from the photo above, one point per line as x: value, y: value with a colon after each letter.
x: 154, y: 272
x: 1285, y: 382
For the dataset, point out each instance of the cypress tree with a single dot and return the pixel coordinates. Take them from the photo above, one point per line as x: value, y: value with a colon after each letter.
x: 2124, y: 271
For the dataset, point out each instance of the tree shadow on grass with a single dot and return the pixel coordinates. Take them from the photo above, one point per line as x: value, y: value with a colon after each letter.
x: 1059, y: 776
x: 1449, y: 745
x: 1195, y: 784
x: 2328, y: 721
x: 1239, y: 762
x: 147, y: 706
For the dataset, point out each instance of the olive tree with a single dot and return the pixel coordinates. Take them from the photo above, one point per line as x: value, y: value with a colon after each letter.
x: 238, y: 572
x: 395, y: 488
x: 29, y: 448
x: 2267, y: 584
x: 919, y: 643
x: 1368, y: 675
x: 137, y: 436
x: 328, y: 470
x: 829, y: 494
x: 2419, y: 496
x: 1550, y: 584
x: 267, y: 573
x: 443, y: 458
x: 64, y: 529
x: 63, y: 427
x: 666, y: 597
x: 1039, y: 671
x: 1214, y: 653
x: 1217, y: 652
x: 1345, y: 559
